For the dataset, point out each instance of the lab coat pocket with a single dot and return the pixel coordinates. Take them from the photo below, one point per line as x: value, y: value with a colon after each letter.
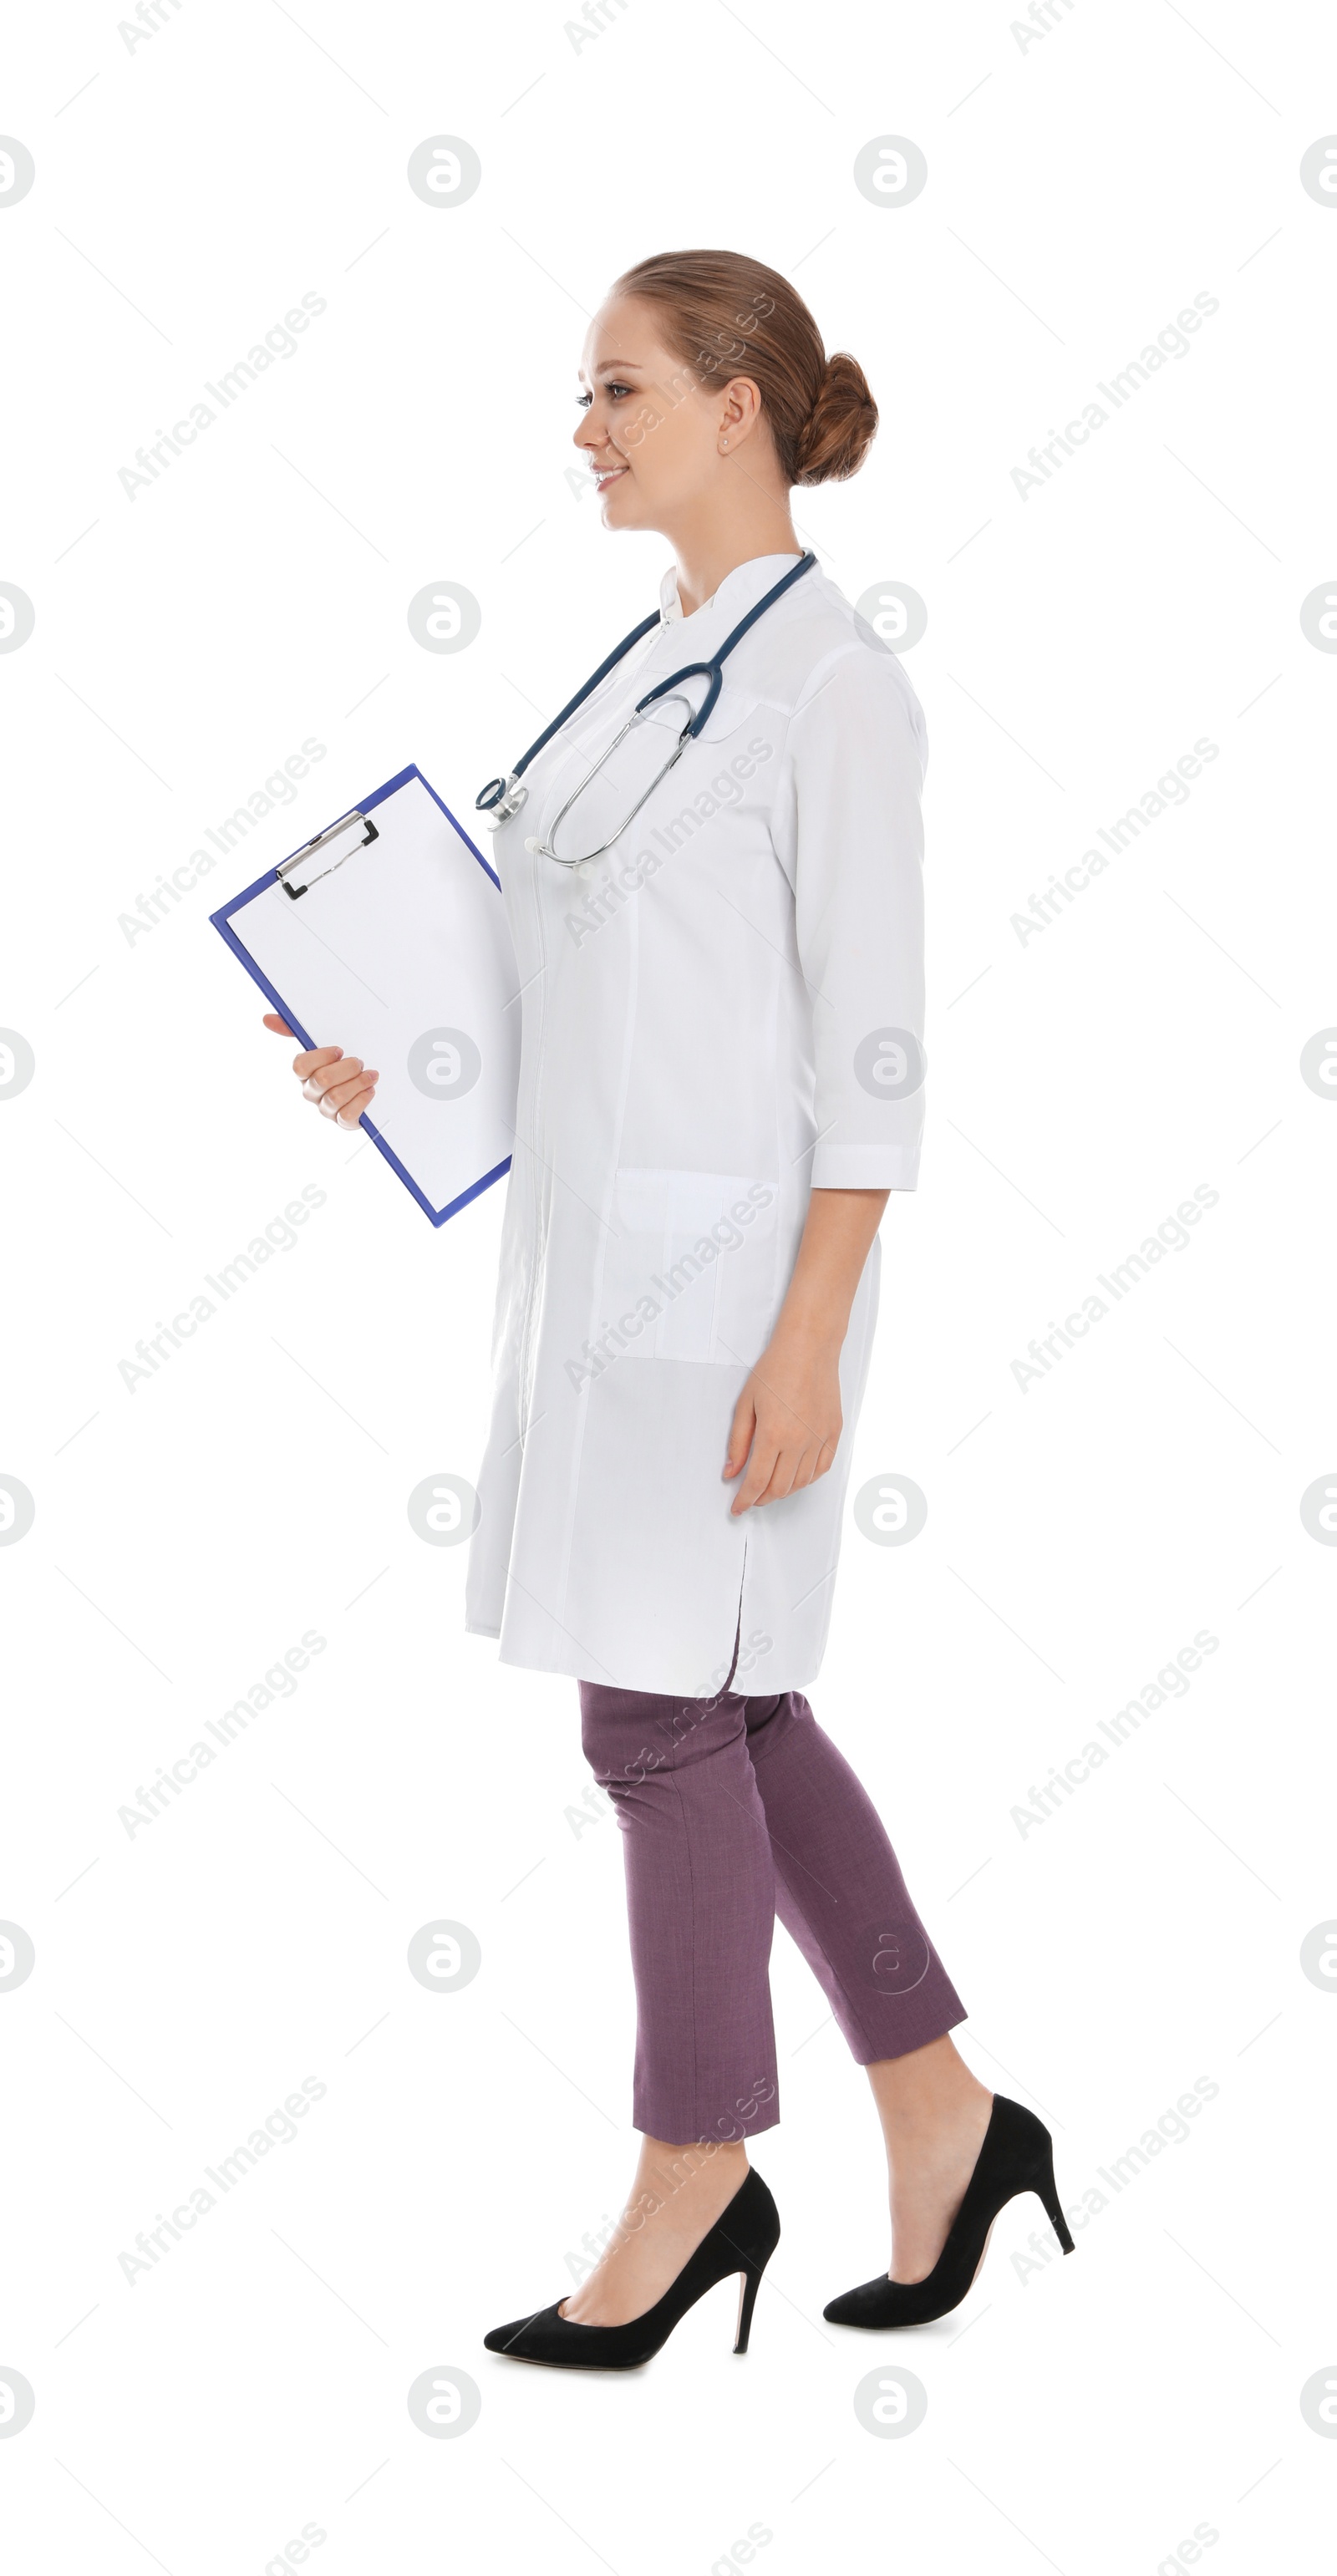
x: 692, y: 1270
x: 734, y: 708
x: 735, y: 747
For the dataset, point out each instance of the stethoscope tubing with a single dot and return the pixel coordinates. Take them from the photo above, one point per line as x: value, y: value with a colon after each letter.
x: 499, y: 800
x: 544, y: 849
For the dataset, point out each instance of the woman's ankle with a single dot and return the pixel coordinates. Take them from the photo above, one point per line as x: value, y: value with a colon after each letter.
x: 674, y: 2180
x: 926, y: 2092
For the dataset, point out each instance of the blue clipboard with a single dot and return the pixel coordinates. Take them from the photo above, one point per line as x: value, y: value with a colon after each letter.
x: 386, y: 935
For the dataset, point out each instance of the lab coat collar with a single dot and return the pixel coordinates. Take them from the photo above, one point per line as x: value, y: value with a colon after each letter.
x: 739, y: 590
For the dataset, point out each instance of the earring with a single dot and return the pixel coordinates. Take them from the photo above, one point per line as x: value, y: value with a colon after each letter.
x: 724, y: 442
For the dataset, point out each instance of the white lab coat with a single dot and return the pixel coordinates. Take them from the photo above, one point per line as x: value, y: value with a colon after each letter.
x: 706, y: 1019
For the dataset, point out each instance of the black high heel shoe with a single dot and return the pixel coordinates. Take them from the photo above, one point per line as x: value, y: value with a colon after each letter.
x: 742, y: 2240
x: 1017, y: 2155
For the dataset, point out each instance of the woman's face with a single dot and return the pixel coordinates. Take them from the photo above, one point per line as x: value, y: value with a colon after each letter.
x: 652, y: 432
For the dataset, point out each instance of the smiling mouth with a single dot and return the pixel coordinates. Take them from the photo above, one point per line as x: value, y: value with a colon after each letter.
x: 606, y: 474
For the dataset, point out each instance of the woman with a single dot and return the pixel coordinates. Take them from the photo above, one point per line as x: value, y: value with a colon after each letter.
x: 719, y: 941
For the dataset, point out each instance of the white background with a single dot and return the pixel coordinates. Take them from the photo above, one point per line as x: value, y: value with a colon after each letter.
x: 1082, y: 189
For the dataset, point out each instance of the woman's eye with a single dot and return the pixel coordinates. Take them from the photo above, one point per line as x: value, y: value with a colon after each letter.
x: 618, y: 392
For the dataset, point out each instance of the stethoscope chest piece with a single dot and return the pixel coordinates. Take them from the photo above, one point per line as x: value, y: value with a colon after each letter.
x: 501, y: 798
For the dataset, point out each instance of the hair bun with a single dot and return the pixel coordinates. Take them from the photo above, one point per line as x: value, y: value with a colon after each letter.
x: 841, y: 426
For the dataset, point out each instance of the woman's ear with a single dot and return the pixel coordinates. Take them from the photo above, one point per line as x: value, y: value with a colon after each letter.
x: 741, y: 411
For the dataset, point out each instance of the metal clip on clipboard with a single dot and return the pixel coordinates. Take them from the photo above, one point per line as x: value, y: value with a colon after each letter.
x: 323, y: 841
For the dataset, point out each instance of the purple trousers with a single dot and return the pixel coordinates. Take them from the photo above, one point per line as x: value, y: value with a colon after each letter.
x: 734, y: 1810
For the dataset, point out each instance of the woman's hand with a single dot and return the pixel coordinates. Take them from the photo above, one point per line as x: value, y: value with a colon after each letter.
x: 788, y: 1416
x: 340, y: 1085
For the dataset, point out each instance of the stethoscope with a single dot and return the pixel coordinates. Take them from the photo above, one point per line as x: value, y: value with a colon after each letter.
x: 503, y: 797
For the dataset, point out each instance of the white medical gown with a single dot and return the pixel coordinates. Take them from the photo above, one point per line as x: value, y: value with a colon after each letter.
x: 719, y: 1016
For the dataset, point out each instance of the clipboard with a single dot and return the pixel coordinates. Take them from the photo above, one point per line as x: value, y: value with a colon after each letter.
x: 386, y: 935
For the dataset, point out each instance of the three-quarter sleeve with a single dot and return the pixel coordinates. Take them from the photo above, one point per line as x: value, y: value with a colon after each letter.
x: 849, y: 834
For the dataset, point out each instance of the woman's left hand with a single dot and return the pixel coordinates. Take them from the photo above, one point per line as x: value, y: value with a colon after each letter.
x: 788, y: 1416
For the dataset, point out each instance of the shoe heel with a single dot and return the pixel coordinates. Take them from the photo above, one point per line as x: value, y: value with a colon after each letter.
x: 747, y: 2300
x: 1047, y: 2190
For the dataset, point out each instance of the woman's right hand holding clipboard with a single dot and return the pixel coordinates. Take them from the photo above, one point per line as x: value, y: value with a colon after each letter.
x: 340, y: 1085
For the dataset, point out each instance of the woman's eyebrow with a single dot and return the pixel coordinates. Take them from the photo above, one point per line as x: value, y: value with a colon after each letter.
x: 606, y: 366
